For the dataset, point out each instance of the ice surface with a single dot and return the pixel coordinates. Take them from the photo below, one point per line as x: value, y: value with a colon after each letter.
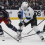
x: 33, y: 40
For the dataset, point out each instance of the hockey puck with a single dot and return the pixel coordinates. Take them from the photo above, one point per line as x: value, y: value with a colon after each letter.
x: 3, y: 40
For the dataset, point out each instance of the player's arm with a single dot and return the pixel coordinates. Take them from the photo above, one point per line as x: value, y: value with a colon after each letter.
x: 9, y: 25
x: 7, y: 16
x: 19, y: 14
x: 5, y: 13
x: 20, y: 17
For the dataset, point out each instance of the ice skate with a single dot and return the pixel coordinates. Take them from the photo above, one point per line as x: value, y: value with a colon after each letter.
x: 1, y: 34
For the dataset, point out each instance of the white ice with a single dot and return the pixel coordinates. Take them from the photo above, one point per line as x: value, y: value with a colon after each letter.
x: 32, y: 40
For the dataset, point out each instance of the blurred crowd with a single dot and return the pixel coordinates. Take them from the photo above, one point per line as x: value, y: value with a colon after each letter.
x: 15, y: 4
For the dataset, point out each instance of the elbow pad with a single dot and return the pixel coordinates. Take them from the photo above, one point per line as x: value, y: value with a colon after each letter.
x: 19, y: 14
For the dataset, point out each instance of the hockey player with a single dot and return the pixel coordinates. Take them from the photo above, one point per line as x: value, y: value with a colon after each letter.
x: 30, y: 17
x: 4, y: 16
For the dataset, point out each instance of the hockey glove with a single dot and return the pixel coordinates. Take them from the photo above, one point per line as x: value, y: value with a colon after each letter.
x: 20, y: 24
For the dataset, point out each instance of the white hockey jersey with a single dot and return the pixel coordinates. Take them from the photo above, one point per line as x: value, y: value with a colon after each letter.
x: 29, y: 12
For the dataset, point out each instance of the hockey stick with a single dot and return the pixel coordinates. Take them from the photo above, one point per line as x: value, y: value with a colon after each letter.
x: 37, y: 25
x: 32, y: 29
x: 31, y: 35
x: 11, y: 36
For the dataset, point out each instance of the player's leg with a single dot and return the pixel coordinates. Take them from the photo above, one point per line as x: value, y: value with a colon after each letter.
x: 9, y: 25
x: 1, y: 31
x: 34, y: 25
x: 38, y: 32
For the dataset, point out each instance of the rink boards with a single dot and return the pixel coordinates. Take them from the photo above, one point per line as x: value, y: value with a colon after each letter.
x: 14, y: 14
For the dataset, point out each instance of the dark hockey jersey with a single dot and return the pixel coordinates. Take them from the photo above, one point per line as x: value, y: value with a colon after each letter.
x: 4, y: 14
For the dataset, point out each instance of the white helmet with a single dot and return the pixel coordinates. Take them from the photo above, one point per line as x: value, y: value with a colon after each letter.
x: 25, y: 4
